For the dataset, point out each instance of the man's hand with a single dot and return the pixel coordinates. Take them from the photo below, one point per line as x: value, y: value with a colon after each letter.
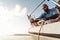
x: 34, y: 22
x: 44, y: 19
x: 31, y: 20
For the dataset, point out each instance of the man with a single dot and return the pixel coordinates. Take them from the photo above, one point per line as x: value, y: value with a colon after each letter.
x: 48, y: 13
x: 56, y: 17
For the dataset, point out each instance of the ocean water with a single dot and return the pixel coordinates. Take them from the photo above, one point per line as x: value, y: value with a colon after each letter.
x: 25, y: 38
x: 14, y: 38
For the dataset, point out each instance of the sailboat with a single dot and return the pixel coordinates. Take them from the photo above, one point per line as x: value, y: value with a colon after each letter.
x: 51, y: 31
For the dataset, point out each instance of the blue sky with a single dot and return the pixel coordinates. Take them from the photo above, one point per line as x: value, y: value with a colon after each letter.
x: 13, y: 15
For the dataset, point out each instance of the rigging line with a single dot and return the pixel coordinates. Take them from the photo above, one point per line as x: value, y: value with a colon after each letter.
x: 35, y: 3
x: 40, y: 30
x: 36, y: 8
x: 55, y: 2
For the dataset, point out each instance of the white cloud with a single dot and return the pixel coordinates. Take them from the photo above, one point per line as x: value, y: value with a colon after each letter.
x: 17, y: 11
x: 13, y: 21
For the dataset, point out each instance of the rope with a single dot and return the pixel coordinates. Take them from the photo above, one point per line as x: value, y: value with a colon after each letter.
x: 40, y: 30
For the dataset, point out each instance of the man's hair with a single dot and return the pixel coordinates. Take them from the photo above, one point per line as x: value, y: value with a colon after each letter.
x: 45, y: 5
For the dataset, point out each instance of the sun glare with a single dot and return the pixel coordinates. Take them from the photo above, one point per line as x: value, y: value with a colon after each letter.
x: 12, y: 21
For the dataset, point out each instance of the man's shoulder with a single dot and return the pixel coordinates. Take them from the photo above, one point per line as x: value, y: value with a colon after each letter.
x: 53, y: 9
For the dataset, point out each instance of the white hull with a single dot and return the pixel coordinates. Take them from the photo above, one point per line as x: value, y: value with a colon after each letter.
x: 49, y: 31
x: 53, y: 28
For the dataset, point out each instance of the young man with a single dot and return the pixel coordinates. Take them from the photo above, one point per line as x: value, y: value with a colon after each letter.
x: 56, y: 16
x: 48, y: 14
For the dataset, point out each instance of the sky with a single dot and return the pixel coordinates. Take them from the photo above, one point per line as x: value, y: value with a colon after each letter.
x: 13, y: 15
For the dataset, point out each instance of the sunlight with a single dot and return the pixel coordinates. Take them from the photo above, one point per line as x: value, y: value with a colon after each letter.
x: 12, y: 21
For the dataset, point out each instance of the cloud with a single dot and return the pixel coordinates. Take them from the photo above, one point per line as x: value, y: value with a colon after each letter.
x: 13, y: 20
x: 17, y: 11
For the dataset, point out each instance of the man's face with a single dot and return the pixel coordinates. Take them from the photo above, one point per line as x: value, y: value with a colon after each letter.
x: 45, y: 7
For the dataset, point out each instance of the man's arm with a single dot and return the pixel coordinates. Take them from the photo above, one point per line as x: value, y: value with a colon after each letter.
x: 53, y: 16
